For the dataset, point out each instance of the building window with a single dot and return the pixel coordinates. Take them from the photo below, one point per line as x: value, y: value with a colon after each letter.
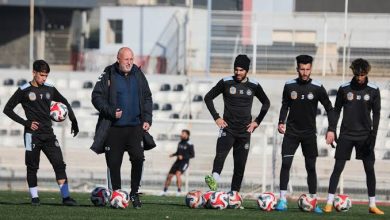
x: 114, y: 31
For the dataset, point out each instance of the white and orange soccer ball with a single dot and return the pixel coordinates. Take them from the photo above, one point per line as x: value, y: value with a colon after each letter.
x: 194, y: 199
x: 119, y: 199
x: 58, y: 111
x: 100, y: 196
x: 266, y: 201
x: 235, y: 200
x: 342, y: 203
x: 307, y: 203
x: 219, y: 200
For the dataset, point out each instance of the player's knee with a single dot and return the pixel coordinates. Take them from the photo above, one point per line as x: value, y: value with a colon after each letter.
x: 137, y: 162
x: 286, y: 163
x: 311, y: 167
x: 59, y: 169
x: 137, y: 158
x: 31, y: 169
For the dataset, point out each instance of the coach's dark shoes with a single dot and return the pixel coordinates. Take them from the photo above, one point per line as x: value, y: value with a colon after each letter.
x: 69, y: 201
x: 35, y: 201
x: 137, y: 204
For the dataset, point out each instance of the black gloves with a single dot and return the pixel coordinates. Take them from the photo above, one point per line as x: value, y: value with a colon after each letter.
x: 371, y: 140
x: 75, y: 128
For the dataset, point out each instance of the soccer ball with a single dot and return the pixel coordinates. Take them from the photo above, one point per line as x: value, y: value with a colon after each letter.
x: 119, y: 199
x: 58, y: 111
x: 219, y: 200
x: 266, y: 201
x: 100, y: 196
x: 235, y: 200
x: 307, y: 203
x: 206, y: 197
x: 194, y: 199
x: 342, y: 203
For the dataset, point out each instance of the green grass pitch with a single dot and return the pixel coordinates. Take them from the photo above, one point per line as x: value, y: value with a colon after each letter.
x: 16, y: 205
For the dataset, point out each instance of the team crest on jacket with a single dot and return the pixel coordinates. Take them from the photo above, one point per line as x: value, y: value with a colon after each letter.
x: 249, y: 92
x: 232, y: 90
x: 32, y: 96
x: 349, y: 96
x: 366, y: 97
x: 310, y: 96
x: 294, y: 95
x: 47, y: 95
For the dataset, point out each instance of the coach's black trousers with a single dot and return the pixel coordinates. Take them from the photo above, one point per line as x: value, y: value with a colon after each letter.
x: 240, y: 154
x: 119, y: 140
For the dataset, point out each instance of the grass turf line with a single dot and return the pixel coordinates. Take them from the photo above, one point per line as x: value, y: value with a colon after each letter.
x: 16, y: 205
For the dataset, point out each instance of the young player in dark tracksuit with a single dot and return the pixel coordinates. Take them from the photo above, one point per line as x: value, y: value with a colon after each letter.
x: 35, y: 98
x: 300, y: 101
x: 358, y: 99
x: 185, y: 151
x: 236, y: 125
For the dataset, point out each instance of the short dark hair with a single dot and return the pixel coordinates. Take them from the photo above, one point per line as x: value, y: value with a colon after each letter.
x: 360, y: 66
x: 41, y: 66
x: 304, y: 59
x: 186, y: 131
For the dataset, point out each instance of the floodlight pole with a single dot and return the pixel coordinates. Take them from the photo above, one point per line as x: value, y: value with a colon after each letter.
x: 31, y: 52
x: 254, y: 42
x: 345, y: 36
x: 325, y: 45
x: 208, y: 49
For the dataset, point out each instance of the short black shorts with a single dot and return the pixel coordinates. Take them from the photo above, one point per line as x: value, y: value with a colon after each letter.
x: 309, y: 145
x: 179, y: 165
x: 345, y: 146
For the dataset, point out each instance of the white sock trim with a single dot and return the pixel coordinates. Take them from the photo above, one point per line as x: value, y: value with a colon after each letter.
x: 33, y: 192
x: 283, y: 194
x: 371, y: 202
x: 216, y: 176
x: 330, y: 199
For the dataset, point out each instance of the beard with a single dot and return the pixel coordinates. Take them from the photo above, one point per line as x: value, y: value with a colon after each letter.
x: 124, y: 68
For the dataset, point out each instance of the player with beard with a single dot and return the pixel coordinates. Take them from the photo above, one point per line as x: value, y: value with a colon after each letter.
x: 236, y: 125
x: 300, y: 102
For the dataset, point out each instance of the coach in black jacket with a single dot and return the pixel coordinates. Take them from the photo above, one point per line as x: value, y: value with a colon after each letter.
x: 124, y: 101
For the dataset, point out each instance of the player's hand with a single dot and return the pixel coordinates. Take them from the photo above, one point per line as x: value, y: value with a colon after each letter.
x: 330, y: 137
x: 118, y: 113
x: 221, y: 123
x: 146, y: 126
x: 75, y: 128
x: 180, y: 157
x: 252, y: 127
x: 281, y: 128
x: 34, y: 125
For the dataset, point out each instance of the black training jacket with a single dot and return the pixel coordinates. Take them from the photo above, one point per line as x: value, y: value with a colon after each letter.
x: 104, y: 100
x: 357, y: 102
x: 238, y: 100
x: 300, y: 102
x: 36, y: 104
